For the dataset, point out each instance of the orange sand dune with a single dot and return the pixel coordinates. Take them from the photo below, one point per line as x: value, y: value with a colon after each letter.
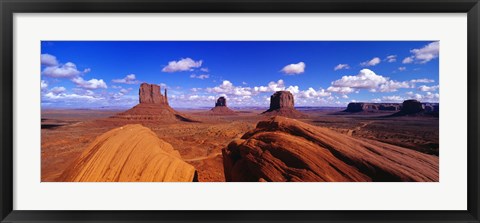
x: 129, y: 154
x: 283, y: 149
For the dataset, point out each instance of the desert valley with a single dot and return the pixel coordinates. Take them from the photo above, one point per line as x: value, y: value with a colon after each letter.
x: 154, y: 142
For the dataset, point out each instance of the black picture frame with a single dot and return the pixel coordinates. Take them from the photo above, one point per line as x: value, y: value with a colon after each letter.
x: 9, y: 7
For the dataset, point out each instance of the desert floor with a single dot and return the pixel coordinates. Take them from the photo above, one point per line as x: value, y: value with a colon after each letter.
x: 66, y: 133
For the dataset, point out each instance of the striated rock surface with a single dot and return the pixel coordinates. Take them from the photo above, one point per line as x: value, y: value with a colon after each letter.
x: 221, y: 107
x: 153, y: 106
x: 283, y: 149
x: 131, y: 153
x: 150, y: 94
x: 282, y: 103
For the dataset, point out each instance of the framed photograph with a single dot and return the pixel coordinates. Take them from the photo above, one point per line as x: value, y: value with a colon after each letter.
x: 238, y: 111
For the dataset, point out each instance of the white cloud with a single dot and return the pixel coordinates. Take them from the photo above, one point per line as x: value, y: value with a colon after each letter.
x: 57, y: 90
x: 407, y: 60
x: 428, y: 88
x: 293, y: 69
x: 427, y: 97
x: 48, y: 60
x: 402, y: 68
x: 394, y: 98
x: 312, y: 93
x: 272, y: 87
x: 341, y: 90
x: 426, y: 53
x: 90, y: 84
x: 228, y: 88
x: 63, y: 96
x: 129, y: 79
x: 391, y: 58
x: 185, y: 64
x: 424, y: 80
x: 371, y: 62
x: 365, y: 79
x: 204, y: 69
x: 67, y: 70
x: 43, y: 85
x: 341, y: 66
x: 201, y: 76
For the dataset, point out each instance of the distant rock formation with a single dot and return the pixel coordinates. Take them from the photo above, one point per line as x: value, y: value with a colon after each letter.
x: 282, y: 103
x: 153, y: 106
x: 221, y: 107
x: 372, y: 107
x: 415, y: 108
x: 283, y: 149
x: 131, y: 153
x: 221, y: 102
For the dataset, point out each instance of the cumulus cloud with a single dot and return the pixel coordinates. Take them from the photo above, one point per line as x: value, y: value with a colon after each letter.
x: 366, y: 79
x: 407, y: 60
x: 293, y: 69
x: 184, y: 64
x: 341, y: 90
x: 272, y: 87
x: 402, y: 68
x: 391, y: 58
x: 312, y: 93
x: 48, y: 60
x: 64, y: 96
x: 427, y: 97
x: 43, y: 85
x: 428, y: 88
x: 90, y: 84
x: 57, y: 90
x: 393, y: 98
x: 204, y: 69
x: 67, y: 70
x: 371, y: 62
x: 201, y: 76
x: 129, y: 79
x: 228, y: 88
x: 426, y: 53
x: 341, y: 66
x: 423, y: 80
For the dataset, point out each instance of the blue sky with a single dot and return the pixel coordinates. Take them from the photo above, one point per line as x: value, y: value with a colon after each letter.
x: 94, y: 74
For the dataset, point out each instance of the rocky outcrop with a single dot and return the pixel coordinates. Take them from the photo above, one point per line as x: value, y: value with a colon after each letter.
x: 411, y: 107
x: 153, y: 106
x: 131, y: 153
x: 372, y: 107
x: 416, y: 108
x: 221, y: 102
x: 150, y: 94
x: 283, y: 149
x: 282, y: 103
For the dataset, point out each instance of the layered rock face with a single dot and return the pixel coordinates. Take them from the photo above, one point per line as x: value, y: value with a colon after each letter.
x: 153, y: 106
x: 221, y: 107
x: 372, y: 107
x: 150, y: 94
x: 283, y: 149
x: 131, y: 153
x: 282, y: 103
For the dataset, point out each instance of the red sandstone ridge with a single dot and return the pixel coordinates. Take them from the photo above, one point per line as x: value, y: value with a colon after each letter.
x: 282, y: 103
x: 221, y: 107
x: 131, y: 153
x: 153, y: 106
x: 283, y: 149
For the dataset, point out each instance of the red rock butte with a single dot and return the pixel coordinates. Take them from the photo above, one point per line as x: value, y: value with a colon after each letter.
x: 153, y: 106
x: 283, y: 149
x: 131, y: 153
x: 282, y: 103
x: 221, y: 107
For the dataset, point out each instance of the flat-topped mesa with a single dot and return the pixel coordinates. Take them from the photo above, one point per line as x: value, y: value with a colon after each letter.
x: 372, y: 107
x: 282, y: 103
x: 281, y: 99
x: 150, y: 94
x: 221, y: 101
